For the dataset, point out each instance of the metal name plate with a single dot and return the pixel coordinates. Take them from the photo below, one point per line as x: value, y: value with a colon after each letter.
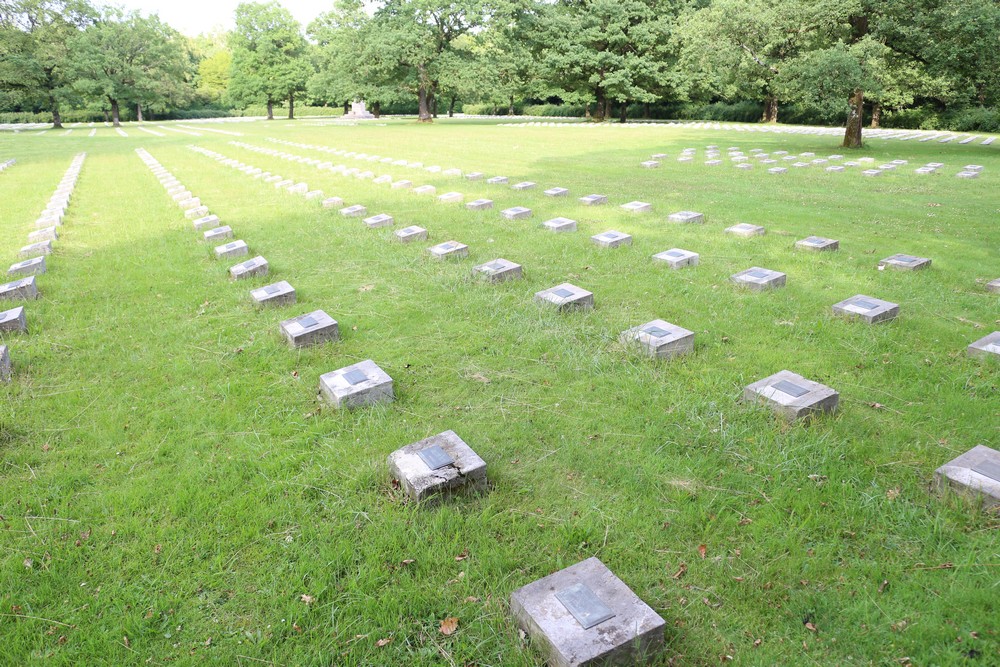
x: 447, y: 246
x: 230, y: 246
x: 409, y: 230
x: 758, y: 274
x: 790, y: 388
x: 250, y: 264
x: 863, y: 303
x: 562, y: 293
x: 655, y: 331
x: 272, y: 289
x: 584, y: 605
x: 495, y: 266
x: 355, y: 376
x: 434, y: 457
x: 675, y: 253
x: 815, y: 240
x: 989, y: 469
x: 308, y: 322
x: 611, y: 236
x: 907, y: 259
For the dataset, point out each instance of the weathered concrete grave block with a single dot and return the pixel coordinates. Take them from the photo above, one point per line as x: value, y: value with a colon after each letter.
x: 452, y: 172
x: 498, y: 271
x: 659, y: 339
x: 903, y: 262
x: 867, y: 309
x: 685, y: 158
x: 835, y: 168
x: 298, y: 189
x: 364, y: 175
x: 36, y: 249
x: 972, y: 167
x: 585, y: 616
x: 190, y: 203
x: 207, y: 222
x: 449, y: 250
x: 593, y: 200
x: 411, y: 233
x: 637, y: 207
x: 355, y: 211
x: 14, y: 320
x: 474, y: 176
x: 310, y: 329
x: 676, y: 258
x: 314, y: 194
x: 219, y: 233
x: 925, y: 171
x: 383, y: 179
x: 480, y: 205
x: 182, y: 195
x: 791, y: 396
x: 976, y: 474
x: 887, y: 167
x: 451, y: 198
x: 757, y: 279
x: 650, y: 164
x: 993, y: 286
x: 434, y: 169
x: 497, y: 180
x: 333, y: 202
x: 817, y: 243
x: 713, y: 163
x: 426, y: 190
x: 611, y: 239
x: 380, y: 220
x: 29, y: 267
x: 560, y: 225
x: 401, y: 185
x: 18, y: 290
x: 686, y: 217
x: 232, y: 249
x: 257, y: 266
x: 277, y: 294
x: 658, y: 156
x: 744, y: 166
x: 566, y: 297
x: 516, y: 213
x: 871, y: 173
x: 746, y: 230
x: 556, y: 192
x: 967, y: 174
x: 356, y: 386
x: 987, y: 346
x: 5, y: 368
x: 439, y: 465
x: 197, y: 212
x: 283, y: 183
x: 777, y: 170
x: 523, y: 185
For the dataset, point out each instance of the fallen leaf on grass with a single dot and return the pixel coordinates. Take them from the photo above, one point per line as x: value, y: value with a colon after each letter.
x: 308, y: 599
x: 472, y: 599
x: 463, y: 555
x: 46, y: 447
x: 28, y: 563
x: 127, y: 643
x: 702, y: 549
x: 382, y: 642
x: 448, y: 626
x: 157, y: 549
x: 877, y: 406
x: 883, y: 585
x: 811, y: 627
x: 409, y: 561
x: 481, y: 378
x: 681, y: 571
x: 366, y: 288
x: 892, y: 494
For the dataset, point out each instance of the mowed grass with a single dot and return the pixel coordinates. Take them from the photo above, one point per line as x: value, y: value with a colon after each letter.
x: 173, y: 487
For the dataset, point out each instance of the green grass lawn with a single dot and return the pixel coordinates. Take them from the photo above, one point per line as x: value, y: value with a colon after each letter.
x: 173, y: 490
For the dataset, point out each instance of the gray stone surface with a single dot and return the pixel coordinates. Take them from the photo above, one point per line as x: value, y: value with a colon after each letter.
x: 499, y: 270
x: 449, y: 250
x: 594, y: 200
x: 232, y: 249
x: 497, y: 180
x: 559, y: 225
x: 686, y: 217
x: 451, y: 198
x: 637, y: 207
x: 355, y: 211
x: 207, y: 222
x: 198, y: 212
x: 611, y: 239
x: 791, y: 396
x: 566, y: 296
x: 758, y: 279
x: 480, y: 205
x: 402, y: 184
x: 310, y: 329
x: 556, y: 192
x: 29, y: 267
x: 252, y: 267
x: 466, y: 471
x: 746, y: 230
x: 219, y: 233
x: 867, y: 309
x: 5, y: 368
x: 976, y: 473
x: 987, y: 346
x: 776, y: 170
x: 516, y: 213
x: 411, y: 233
x: 276, y: 294
x: 903, y: 262
x: 23, y: 289
x: 356, y: 386
x: 380, y: 220
x: 523, y: 185
x: 425, y: 190
x: 676, y: 258
x: 660, y: 339
x: 333, y: 202
x: 993, y: 286
x: 474, y: 176
x: 817, y: 243
x: 36, y: 249
x: 14, y: 320
x: 650, y: 164
x: 627, y: 630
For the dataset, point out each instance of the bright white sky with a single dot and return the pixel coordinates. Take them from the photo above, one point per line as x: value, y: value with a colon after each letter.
x: 193, y: 17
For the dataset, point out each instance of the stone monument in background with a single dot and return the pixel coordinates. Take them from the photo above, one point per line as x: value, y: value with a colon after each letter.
x: 358, y: 111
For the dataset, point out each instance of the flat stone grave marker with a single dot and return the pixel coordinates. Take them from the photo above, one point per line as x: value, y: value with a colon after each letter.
x: 23, y: 289
x: 451, y: 198
x: 972, y: 167
x: 585, y: 616
x: 976, y: 473
x: 967, y: 174
x: 480, y: 205
x: 232, y: 249
x: 5, y: 370
x: 333, y: 202
x: 867, y: 309
x: 29, y: 267
x: 181, y: 196
x: 436, y: 466
x: 650, y: 164
x: 871, y: 172
x: 498, y: 271
x: 560, y: 225
x: 355, y: 211
x: 449, y: 250
x: 758, y: 279
x: 425, y: 190
x: 224, y: 232
x: 611, y: 239
x: 206, y: 222
x: 277, y: 294
x: 196, y: 212
x: 516, y: 213
x: 685, y: 158
x: 594, y: 200
x: 385, y: 178
x: 497, y: 180
x: 744, y: 166
x: 713, y: 163
x: 434, y: 169
x: 817, y: 243
x: 283, y: 183
x: 776, y: 170
x: 556, y: 192
x: 746, y: 230
x: 658, y: 156
x: 474, y: 176
x: 637, y: 207
x: 36, y: 249
x: 993, y: 286
x: 523, y: 185
x: 987, y: 346
x: 566, y: 297
x: 252, y: 267
x: 298, y: 189
x: 380, y: 220
x: 411, y: 233
x: 903, y: 262
x: 676, y: 258
x: 852, y: 163
x: 451, y: 172
x: 791, y: 396
x: 835, y: 168
x: 686, y: 217
x: 364, y: 175
x: 401, y: 185
x: 887, y: 167
x: 935, y: 165
x: 314, y: 194
x: 356, y: 386
x: 659, y: 339
x: 924, y: 171
x: 14, y: 320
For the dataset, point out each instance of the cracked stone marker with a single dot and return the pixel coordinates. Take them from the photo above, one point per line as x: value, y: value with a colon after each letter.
x: 356, y: 386
x: 438, y: 466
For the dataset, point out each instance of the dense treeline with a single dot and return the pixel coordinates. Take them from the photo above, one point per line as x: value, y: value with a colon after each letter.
x: 918, y: 62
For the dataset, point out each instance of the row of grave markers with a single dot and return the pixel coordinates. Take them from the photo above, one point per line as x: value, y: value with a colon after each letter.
x: 25, y: 288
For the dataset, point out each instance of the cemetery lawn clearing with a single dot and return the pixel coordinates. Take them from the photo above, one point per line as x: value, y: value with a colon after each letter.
x: 174, y: 491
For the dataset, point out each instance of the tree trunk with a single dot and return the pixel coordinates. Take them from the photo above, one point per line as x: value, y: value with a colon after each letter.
x: 495, y: 110
x: 855, y: 119
x: 138, y: 111
x: 607, y: 108
x: 434, y: 104
x: 876, y: 115
x: 347, y: 107
x: 770, y: 110
x: 602, y: 107
x: 115, y: 117
x: 586, y: 110
x: 107, y: 119
x: 424, y: 110
x: 56, y: 117
x: 623, y: 112
x: 377, y: 109
x: 510, y: 106
x: 270, y: 109
x: 291, y: 106
x: 451, y: 107
x: 645, y: 110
